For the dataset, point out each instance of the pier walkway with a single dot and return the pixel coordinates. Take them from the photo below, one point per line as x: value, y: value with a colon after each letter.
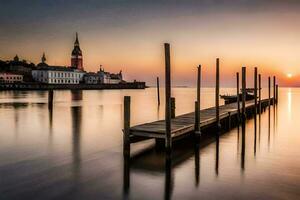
x: 184, y: 124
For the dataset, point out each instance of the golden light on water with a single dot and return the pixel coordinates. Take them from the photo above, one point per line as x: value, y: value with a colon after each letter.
x: 289, y: 102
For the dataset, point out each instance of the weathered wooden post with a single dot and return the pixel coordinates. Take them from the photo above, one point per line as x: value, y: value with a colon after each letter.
x: 198, y: 84
x: 168, y: 141
x: 197, y: 163
x: 197, y: 103
x: 259, y: 93
x: 243, y: 115
x: 126, y: 136
x: 158, y: 95
x: 274, y: 90
x: 50, y: 99
x: 168, y: 177
x: 197, y: 125
x: 255, y: 91
x: 238, y: 95
x: 277, y: 94
x: 126, y: 175
x: 269, y: 90
x: 255, y: 106
x: 173, y: 107
x: 244, y: 93
x: 217, y: 94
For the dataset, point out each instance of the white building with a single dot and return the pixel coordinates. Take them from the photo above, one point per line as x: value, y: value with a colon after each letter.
x: 109, y: 78
x: 10, y: 78
x: 104, y: 77
x: 56, y: 74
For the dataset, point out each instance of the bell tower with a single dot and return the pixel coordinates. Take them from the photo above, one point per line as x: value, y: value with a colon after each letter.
x: 76, y: 57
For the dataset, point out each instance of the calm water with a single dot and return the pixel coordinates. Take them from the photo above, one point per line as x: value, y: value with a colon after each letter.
x: 75, y: 150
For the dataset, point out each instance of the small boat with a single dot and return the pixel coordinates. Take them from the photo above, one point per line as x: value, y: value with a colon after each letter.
x: 233, y: 98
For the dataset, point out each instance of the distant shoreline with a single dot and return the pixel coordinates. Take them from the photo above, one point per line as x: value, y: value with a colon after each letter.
x: 38, y: 86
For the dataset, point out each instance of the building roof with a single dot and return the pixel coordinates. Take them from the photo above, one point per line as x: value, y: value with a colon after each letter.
x: 76, y: 51
x: 91, y: 74
x: 42, y: 65
x: 115, y: 76
x: 56, y: 68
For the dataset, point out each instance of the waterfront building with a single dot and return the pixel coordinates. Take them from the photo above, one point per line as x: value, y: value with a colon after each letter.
x: 110, y: 78
x: 6, y: 77
x: 21, y: 67
x: 91, y: 78
x: 76, y: 56
x: 56, y: 74
x: 116, y: 78
x: 103, y: 77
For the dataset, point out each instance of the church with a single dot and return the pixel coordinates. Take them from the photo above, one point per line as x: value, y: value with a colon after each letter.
x: 73, y: 74
x: 61, y: 74
x: 76, y: 57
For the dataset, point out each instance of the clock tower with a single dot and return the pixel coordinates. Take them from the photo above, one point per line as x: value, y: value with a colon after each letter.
x: 76, y: 58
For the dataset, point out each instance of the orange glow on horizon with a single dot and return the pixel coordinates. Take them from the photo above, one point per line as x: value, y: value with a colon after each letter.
x: 266, y: 40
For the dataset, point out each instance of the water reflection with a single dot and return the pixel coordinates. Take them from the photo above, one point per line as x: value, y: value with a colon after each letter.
x: 76, y: 113
x: 50, y: 115
x: 16, y: 121
x: 155, y: 160
x: 274, y: 121
x: 217, y: 155
x: 126, y: 176
x: 76, y: 95
x: 259, y: 127
x: 269, y: 126
x: 255, y: 133
x: 243, y: 145
x: 96, y: 170
x: 197, y: 163
x: 238, y: 138
x: 169, y: 181
x: 289, y: 103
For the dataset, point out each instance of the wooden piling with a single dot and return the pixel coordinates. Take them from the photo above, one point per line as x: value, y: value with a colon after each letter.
x: 269, y: 90
x: 274, y: 90
x: 197, y: 119
x: 173, y: 107
x: 238, y: 94
x: 255, y: 91
x: 126, y: 136
x: 276, y: 93
x: 197, y: 107
x: 126, y: 176
x: 259, y: 93
x: 243, y: 92
x: 255, y: 108
x: 158, y: 95
x: 168, y: 142
x: 217, y: 93
x: 50, y: 99
x: 198, y: 87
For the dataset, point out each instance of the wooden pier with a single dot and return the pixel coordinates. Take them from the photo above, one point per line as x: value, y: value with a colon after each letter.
x: 185, y: 124
x: 200, y: 123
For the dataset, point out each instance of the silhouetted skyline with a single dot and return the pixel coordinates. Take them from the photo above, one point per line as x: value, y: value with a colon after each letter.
x: 130, y: 35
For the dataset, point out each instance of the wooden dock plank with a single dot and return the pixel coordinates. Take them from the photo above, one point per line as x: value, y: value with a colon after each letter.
x: 185, y: 123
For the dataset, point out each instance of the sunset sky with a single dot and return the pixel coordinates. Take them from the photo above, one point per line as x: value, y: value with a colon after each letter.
x: 129, y: 35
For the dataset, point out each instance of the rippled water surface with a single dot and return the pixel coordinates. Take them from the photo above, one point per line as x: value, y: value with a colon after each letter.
x: 74, y: 151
